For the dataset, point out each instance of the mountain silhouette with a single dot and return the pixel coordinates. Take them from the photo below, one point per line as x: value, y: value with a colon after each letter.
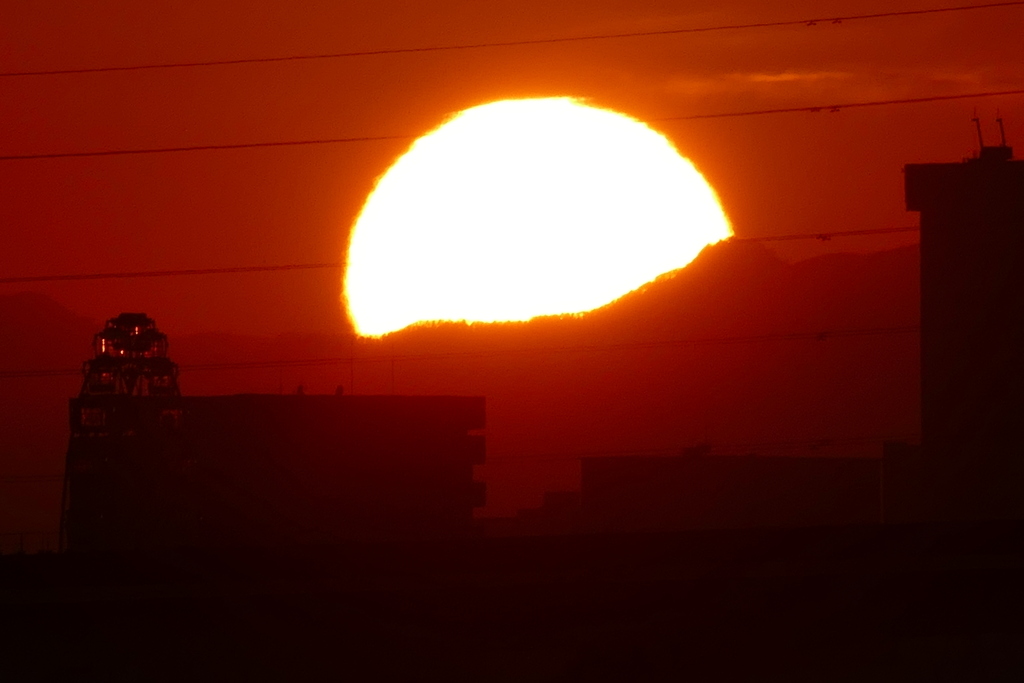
x: 740, y: 351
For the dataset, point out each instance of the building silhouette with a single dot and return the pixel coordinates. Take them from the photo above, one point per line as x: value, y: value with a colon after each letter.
x: 971, y: 463
x: 147, y: 467
x: 700, y: 490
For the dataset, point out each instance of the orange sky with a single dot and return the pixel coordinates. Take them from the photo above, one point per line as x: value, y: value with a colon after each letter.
x: 776, y: 174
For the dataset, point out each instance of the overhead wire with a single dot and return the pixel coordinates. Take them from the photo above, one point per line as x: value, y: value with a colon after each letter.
x: 335, y: 265
x: 381, y: 138
x: 723, y: 450
x: 206, y: 148
x: 834, y: 108
x: 814, y: 21
x: 816, y: 336
x: 719, y: 450
x: 119, y: 275
x: 823, y: 335
x: 823, y: 236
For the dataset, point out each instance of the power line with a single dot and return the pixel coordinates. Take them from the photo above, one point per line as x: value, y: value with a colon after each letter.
x: 716, y: 450
x: 821, y: 236
x: 513, y: 43
x: 168, y: 273
x: 38, y: 374
x: 334, y: 265
x: 31, y: 479
x: 833, y: 108
x: 820, y: 336
x: 379, y: 138
x: 207, y: 148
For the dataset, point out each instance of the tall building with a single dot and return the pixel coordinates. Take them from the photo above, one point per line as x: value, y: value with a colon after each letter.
x: 972, y: 335
x: 147, y: 467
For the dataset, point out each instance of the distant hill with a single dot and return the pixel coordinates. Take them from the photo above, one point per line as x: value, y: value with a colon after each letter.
x: 36, y: 334
x: 700, y: 355
x: 644, y: 392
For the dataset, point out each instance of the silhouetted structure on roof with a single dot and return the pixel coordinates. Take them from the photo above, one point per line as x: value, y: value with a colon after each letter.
x: 131, y: 359
x: 972, y: 338
x: 147, y: 469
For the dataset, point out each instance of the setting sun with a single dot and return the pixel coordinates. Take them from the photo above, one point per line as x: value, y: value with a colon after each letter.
x: 522, y: 208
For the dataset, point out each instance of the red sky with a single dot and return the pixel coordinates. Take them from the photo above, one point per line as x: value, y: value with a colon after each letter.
x: 776, y: 174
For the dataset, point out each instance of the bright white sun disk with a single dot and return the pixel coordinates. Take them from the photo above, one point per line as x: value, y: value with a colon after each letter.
x: 522, y: 208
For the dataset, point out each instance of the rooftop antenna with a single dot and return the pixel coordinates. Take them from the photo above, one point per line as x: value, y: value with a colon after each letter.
x: 1002, y: 132
x: 977, y: 123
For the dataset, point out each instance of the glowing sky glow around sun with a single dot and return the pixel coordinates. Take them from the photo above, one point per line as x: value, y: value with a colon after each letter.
x: 522, y: 208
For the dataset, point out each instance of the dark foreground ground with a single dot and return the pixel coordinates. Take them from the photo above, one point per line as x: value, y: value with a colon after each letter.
x: 914, y: 603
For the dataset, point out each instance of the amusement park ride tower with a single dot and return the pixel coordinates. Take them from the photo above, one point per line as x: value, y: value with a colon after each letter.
x: 131, y: 360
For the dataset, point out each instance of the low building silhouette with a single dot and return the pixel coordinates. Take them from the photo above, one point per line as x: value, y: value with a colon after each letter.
x: 706, y: 491
x: 150, y: 467
x: 557, y: 515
